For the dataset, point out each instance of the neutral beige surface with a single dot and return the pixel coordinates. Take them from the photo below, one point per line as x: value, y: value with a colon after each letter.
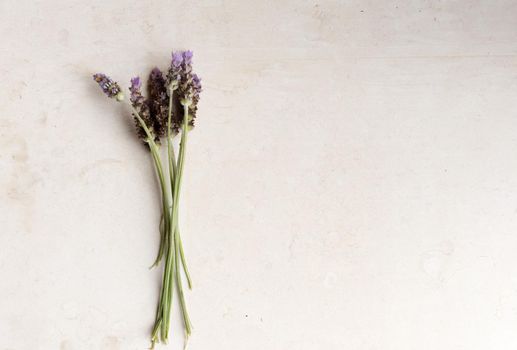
x: 351, y: 183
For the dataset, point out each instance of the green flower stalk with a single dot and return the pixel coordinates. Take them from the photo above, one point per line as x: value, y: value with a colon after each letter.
x: 178, y: 80
x: 169, y: 110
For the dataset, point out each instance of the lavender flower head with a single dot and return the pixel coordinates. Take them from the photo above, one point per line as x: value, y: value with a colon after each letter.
x: 175, y: 71
x: 196, y: 86
x: 108, y: 86
x: 136, y: 84
x: 141, y: 106
x: 177, y: 58
x: 187, y: 57
x: 190, y: 87
x: 186, y: 87
x: 196, y: 89
x: 156, y: 73
x: 158, y: 102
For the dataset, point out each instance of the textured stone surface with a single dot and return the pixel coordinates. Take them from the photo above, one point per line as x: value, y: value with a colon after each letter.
x: 351, y: 182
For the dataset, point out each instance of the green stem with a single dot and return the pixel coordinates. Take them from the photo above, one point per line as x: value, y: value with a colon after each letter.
x: 172, y: 163
x: 167, y: 290
x: 183, y: 260
x: 168, y: 284
x: 163, y: 245
x: 165, y: 296
x: 176, y: 193
x: 173, y: 175
x: 165, y: 202
x: 181, y: 296
x: 171, y: 243
x: 154, y: 150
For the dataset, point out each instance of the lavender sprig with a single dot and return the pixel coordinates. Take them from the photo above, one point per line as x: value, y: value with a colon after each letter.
x: 190, y: 87
x: 158, y: 102
x: 195, y: 92
x: 108, y: 86
x: 171, y: 107
x: 175, y: 71
x: 141, y: 106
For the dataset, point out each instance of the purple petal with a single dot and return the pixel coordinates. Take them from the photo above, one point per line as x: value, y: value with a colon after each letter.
x: 136, y: 83
x: 177, y: 58
x: 187, y: 56
x: 196, y: 81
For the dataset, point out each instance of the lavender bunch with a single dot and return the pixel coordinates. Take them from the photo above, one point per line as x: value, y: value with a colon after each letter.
x: 169, y: 110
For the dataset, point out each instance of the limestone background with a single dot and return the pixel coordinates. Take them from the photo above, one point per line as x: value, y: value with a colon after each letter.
x: 351, y: 182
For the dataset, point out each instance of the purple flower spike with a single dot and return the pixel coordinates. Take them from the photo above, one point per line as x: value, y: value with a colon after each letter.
x: 136, y: 83
x: 195, y: 91
x: 108, y: 86
x: 177, y: 59
x: 196, y: 86
x: 136, y: 94
x: 187, y: 57
x: 158, y: 102
x: 190, y: 87
x: 141, y: 105
x: 185, y: 85
x: 175, y: 71
x: 196, y: 81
